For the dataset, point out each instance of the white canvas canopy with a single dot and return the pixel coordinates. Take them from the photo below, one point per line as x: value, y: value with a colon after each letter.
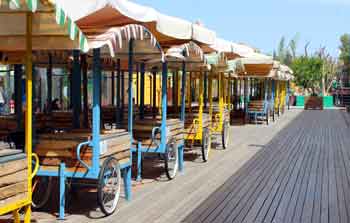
x: 86, y: 24
x: 256, y: 65
x: 231, y: 50
x: 190, y: 53
x: 98, y: 15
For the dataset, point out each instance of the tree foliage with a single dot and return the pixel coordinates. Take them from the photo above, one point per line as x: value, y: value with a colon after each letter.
x: 308, y: 72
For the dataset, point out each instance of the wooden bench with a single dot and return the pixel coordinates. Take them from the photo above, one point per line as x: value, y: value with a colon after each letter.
x: 13, y: 175
x: 53, y: 149
x: 142, y: 131
x: 258, y: 109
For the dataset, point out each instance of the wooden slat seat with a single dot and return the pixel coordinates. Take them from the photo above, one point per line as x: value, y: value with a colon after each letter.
x: 142, y: 131
x: 13, y: 181
x: 53, y: 149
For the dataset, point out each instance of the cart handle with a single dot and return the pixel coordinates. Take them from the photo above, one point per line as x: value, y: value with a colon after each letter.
x: 154, y: 134
x: 36, y: 168
x: 78, y: 154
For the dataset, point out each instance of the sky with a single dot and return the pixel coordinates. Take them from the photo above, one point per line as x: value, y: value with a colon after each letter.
x: 262, y: 23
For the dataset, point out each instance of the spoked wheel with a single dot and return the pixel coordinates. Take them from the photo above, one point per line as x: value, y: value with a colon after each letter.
x: 225, y: 134
x: 109, y: 184
x: 171, y: 159
x: 41, y: 190
x: 206, y: 144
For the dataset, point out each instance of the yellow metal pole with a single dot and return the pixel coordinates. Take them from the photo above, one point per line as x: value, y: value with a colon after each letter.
x: 221, y: 100
x: 201, y: 104
x: 28, y: 118
x: 189, y: 91
x: 210, y: 95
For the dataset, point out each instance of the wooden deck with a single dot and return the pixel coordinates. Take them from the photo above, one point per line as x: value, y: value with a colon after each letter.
x: 301, y: 175
x: 294, y: 170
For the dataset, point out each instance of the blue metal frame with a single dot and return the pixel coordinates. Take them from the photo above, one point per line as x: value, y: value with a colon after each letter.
x: 272, y: 100
x: 161, y: 148
x: 92, y: 172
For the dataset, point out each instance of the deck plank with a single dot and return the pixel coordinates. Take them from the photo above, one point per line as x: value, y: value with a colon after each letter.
x: 301, y: 175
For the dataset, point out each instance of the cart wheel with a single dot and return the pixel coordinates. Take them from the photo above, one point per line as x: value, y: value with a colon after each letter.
x: 109, y: 183
x: 267, y: 118
x: 41, y: 190
x: 206, y: 144
x: 225, y: 134
x: 171, y: 159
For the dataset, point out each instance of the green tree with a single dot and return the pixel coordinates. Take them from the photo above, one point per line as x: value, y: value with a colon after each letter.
x: 308, y: 72
x: 345, y: 55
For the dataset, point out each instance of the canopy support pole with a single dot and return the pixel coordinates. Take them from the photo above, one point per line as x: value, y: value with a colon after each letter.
x: 154, y: 107
x: 113, y: 88
x: 76, y: 89
x: 130, y: 87
x: 205, y: 89
x: 221, y: 100
x: 96, y: 109
x: 84, y: 67
x: 173, y: 91
x: 245, y: 97
x: 189, y: 93
x: 164, y: 106
x: 29, y: 109
x: 122, y: 94
x: 201, y: 103
x: 49, y: 84
x: 183, y: 91
x: 118, y: 115
x: 137, y: 84
x: 18, y: 95
x: 210, y: 96
x: 142, y: 91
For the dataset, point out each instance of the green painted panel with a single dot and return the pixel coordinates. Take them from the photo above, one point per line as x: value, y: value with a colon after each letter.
x: 328, y: 101
x: 301, y: 101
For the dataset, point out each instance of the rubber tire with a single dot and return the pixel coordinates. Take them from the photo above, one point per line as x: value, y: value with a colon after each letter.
x: 101, y: 185
x: 225, y: 135
x: 206, y: 144
x: 171, y: 174
x: 44, y: 198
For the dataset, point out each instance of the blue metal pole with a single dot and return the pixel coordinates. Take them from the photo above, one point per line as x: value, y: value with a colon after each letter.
x: 96, y: 109
x: 18, y: 94
x: 183, y: 92
x: 76, y: 89
x: 183, y: 110
x: 164, y: 105
x: 142, y: 92
x: 130, y: 87
x: 266, y: 90
x: 62, y: 179
x: 273, y: 92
